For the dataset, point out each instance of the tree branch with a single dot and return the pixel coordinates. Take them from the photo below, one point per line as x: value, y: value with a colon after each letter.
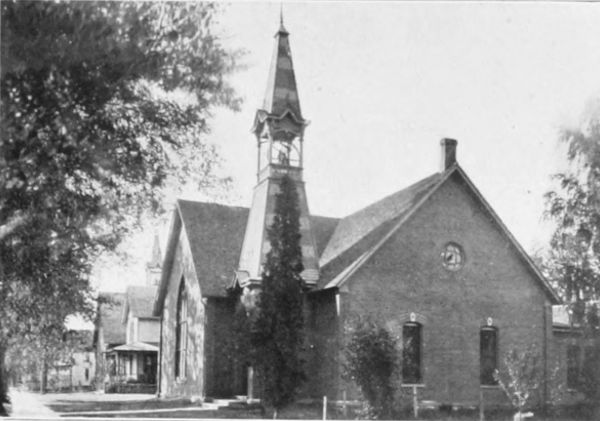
x: 13, y: 223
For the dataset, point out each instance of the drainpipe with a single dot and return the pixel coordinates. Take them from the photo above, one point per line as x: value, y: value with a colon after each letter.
x: 160, y: 353
x: 545, y: 351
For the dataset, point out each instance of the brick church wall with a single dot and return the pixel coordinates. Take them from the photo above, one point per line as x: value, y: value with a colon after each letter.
x: 220, y: 361
x: 322, y: 349
x: 406, y: 276
x: 192, y: 385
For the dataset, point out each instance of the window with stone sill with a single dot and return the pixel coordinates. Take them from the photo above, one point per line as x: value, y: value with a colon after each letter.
x: 488, y: 347
x: 412, y: 372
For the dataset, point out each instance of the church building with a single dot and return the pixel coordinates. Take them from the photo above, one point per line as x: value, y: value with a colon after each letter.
x: 432, y: 262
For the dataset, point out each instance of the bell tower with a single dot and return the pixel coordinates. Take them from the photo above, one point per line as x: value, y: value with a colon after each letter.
x: 279, y: 132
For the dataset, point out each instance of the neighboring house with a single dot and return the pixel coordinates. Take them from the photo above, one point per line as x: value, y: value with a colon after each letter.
x: 135, y: 360
x: 432, y: 262
x: 76, y: 369
x: 131, y: 357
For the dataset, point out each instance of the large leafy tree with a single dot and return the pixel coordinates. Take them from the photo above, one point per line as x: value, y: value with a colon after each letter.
x: 573, y: 263
x: 94, y: 119
x: 278, y: 331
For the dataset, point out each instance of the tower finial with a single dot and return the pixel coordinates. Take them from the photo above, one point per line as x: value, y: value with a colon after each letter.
x: 282, y: 29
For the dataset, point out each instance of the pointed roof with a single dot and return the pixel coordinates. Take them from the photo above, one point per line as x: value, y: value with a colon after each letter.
x: 361, y: 234
x: 156, y: 257
x: 282, y: 94
x: 215, y: 233
x: 110, y: 307
x: 139, y: 300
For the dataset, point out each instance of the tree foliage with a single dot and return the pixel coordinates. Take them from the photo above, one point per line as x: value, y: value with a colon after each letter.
x: 278, y: 331
x: 372, y: 363
x: 574, y: 206
x: 573, y: 263
x: 94, y: 119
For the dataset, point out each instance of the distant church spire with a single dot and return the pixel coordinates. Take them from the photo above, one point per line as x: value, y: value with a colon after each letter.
x: 153, y: 266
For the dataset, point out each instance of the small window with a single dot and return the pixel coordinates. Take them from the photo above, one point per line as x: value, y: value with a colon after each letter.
x: 87, y: 374
x: 453, y: 257
x: 411, y: 354
x: 181, y: 332
x: 488, y: 354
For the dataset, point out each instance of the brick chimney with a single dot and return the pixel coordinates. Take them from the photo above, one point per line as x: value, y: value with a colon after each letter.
x: 448, y: 153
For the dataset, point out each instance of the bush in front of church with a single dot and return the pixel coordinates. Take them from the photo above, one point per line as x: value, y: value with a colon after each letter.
x: 372, y: 363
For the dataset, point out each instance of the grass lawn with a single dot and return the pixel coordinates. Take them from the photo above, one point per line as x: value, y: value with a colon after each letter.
x: 72, y: 404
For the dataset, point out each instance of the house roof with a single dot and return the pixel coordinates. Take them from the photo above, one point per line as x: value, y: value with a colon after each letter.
x: 110, y: 308
x: 136, y: 347
x: 82, y: 339
x: 139, y: 300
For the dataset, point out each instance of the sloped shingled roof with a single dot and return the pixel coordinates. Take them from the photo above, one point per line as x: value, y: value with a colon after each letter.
x: 353, y: 228
x: 140, y: 300
x: 282, y: 93
x: 110, y: 310
x: 215, y: 234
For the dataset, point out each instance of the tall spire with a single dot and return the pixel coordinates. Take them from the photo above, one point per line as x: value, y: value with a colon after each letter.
x: 279, y: 130
x: 282, y: 94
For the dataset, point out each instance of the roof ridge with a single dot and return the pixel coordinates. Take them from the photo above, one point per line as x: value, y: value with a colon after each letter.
x: 203, y: 202
x: 403, y: 190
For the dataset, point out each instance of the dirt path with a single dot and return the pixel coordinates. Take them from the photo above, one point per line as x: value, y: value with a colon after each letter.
x: 27, y: 404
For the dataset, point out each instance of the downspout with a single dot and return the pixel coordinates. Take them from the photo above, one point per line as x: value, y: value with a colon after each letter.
x: 545, y: 353
x: 160, y: 354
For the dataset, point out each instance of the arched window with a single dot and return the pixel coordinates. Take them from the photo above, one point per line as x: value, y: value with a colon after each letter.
x: 181, y: 332
x: 412, y: 372
x: 488, y: 355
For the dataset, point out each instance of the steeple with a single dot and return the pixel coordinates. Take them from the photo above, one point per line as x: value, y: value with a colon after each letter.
x: 279, y: 131
x: 278, y: 124
x: 153, y: 266
x: 281, y: 95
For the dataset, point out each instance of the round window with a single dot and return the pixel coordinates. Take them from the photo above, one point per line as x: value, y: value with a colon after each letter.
x: 453, y: 257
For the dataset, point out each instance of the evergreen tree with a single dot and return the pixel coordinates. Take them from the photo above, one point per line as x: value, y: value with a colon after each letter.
x: 277, y: 335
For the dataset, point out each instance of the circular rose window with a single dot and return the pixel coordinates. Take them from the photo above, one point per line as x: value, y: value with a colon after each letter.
x: 453, y: 257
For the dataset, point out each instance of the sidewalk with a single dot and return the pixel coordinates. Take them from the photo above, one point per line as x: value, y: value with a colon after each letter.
x: 27, y: 404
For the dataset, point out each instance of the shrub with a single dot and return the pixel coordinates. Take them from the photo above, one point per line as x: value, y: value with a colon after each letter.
x: 372, y: 362
x: 520, y: 377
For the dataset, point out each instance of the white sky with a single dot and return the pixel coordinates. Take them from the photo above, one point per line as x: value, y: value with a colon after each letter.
x: 383, y: 82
